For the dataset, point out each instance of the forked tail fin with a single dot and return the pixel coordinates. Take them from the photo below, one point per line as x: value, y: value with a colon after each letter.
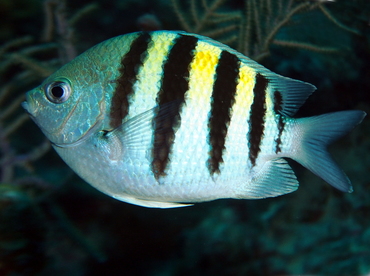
x: 316, y: 134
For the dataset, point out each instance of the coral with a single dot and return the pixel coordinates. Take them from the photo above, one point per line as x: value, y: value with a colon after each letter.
x: 23, y: 64
x: 11, y: 119
x: 253, y: 29
x: 26, y: 65
x: 208, y: 21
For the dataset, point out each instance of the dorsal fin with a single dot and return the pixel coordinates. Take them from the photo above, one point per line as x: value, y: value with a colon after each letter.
x: 288, y: 94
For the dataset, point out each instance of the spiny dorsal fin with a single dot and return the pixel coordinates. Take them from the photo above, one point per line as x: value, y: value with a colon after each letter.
x: 288, y: 94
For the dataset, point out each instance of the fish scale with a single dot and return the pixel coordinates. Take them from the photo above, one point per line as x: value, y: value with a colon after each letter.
x: 167, y: 118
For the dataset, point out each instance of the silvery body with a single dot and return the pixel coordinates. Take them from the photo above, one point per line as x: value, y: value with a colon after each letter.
x: 164, y: 119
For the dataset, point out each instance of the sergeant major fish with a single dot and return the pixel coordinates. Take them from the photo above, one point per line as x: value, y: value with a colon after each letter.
x: 167, y: 118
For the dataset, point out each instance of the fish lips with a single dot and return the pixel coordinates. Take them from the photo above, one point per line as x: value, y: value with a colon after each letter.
x: 29, y: 106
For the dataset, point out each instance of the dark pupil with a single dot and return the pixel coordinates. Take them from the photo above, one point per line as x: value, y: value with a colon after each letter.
x: 57, y: 91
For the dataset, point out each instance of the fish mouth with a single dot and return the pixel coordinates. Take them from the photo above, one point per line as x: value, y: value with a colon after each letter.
x: 25, y: 106
x: 29, y: 106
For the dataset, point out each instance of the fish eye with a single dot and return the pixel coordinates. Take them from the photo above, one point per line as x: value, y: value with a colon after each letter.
x: 58, y: 91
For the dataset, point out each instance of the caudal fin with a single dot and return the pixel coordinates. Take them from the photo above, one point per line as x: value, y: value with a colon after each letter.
x: 317, y: 133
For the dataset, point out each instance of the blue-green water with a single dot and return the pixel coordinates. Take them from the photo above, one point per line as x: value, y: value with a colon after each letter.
x: 53, y: 223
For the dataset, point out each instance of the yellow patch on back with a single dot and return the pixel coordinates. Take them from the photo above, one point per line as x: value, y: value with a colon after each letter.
x: 244, y: 91
x: 202, y: 73
x: 205, y: 60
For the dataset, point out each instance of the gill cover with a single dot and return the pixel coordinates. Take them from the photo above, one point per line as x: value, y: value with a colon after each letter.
x: 66, y: 106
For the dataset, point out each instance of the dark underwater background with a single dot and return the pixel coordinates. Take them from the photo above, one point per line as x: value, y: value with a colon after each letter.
x: 53, y: 223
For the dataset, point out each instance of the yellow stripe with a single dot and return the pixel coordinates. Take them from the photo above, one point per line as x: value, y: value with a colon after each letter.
x: 150, y: 75
x: 244, y: 93
x: 236, y: 144
x: 202, y: 73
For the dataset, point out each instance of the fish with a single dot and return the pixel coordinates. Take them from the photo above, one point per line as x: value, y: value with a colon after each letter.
x: 167, y: 119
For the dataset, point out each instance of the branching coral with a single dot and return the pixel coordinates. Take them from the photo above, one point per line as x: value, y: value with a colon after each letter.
x: 208, y: 20
x: 253, y: 29
x: 23, y: 63
x: 11, y: 119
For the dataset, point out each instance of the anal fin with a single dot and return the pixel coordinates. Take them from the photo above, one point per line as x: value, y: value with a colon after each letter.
x: 275, y: 178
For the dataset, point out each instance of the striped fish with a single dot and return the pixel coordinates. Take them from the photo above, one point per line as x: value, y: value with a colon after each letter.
x: 167, y: 118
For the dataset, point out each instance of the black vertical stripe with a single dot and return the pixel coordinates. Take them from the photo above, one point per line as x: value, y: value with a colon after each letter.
x: 175, y: 83
x: 223, y: 98
x: 130, y: 65
x: 278, y: 102
x: 278, y: 106
x: 257, y: 116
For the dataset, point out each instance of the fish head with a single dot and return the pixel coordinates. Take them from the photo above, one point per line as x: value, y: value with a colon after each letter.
x: 68, y: 106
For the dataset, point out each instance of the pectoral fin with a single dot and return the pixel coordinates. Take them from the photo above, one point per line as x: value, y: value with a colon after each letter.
x: 136, y: 134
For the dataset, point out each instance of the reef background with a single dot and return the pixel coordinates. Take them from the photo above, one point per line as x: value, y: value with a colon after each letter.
x: 53, y: 223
